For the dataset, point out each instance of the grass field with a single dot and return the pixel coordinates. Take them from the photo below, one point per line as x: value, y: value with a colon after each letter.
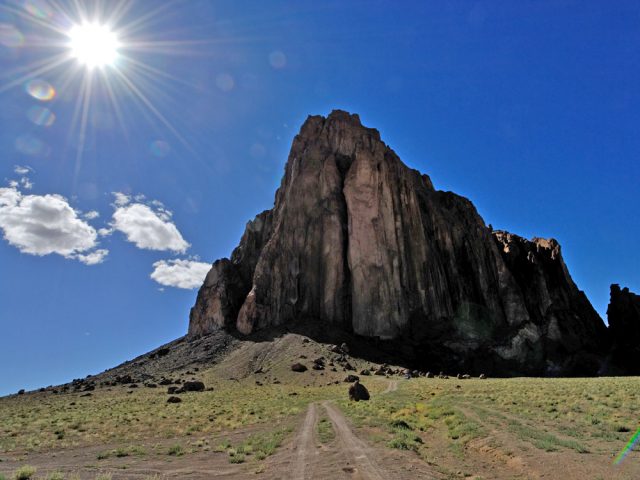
x: 524, y: 427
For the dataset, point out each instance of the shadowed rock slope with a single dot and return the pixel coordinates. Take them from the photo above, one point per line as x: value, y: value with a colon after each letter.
x: 624, y: 324
x: 357, y: 241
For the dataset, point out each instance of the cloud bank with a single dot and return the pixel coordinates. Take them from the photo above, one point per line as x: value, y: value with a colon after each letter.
x: 46, y: 224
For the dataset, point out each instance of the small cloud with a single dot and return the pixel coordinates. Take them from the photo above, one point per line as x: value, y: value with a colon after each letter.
x: 14, y: 184
x: 121, y: 199
x: 92, y: 215
x: 139, y: 198
x: 105, y: 232
x: 178, y: 273
x: 26, y: 183
x: 93, y: 258
x: 20, y: 170
x: 148, y: 228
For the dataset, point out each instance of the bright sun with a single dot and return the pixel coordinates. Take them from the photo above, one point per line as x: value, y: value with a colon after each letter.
x: 93, y: 45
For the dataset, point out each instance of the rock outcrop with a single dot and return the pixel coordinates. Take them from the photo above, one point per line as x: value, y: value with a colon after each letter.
x: 358, y: 241
x: 624, y: 327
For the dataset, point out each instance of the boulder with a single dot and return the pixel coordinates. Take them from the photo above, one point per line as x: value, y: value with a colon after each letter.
x: 298, y: 367
x: 351, y: 378
x: 358, y: 392
x: 193, y: 386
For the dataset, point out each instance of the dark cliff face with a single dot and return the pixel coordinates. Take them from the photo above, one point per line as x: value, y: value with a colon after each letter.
x: 358, y: 241
x: 624, y: 326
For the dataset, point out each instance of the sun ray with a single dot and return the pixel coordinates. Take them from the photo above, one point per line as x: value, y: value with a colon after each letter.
x: 143, y: 98
x: 49, y: 66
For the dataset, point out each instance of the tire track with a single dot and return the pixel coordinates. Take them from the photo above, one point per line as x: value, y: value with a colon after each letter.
x: 306, y: 445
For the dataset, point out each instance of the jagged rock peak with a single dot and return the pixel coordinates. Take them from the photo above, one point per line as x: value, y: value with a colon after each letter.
x: 358, y: 241
x: 623, y: 313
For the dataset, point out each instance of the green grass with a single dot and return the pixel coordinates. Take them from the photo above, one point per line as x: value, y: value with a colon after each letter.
x: 42, y: 422
x: 325, y: 430
x: 55, y: 476
x: 260, y: 445
x: 24, y: 473
x: 175, y: 450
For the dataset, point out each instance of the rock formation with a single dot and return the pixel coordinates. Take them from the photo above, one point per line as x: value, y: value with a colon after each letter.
x: 358, y: 241
x: 624, y: 327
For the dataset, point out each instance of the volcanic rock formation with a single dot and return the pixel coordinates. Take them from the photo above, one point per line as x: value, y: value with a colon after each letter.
x: 624, y: 326
x: 358, y: 241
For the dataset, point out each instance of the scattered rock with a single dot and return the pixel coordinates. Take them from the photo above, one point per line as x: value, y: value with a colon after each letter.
x: 21, y: 391
x: 193, y: 386
x: 482, y: 376
x: 351, y: 378
x: 365, y: 372
x: 298, y: 367
x: 174, y: 400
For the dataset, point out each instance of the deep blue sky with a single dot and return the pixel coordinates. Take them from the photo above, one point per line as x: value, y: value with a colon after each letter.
x: 530, y: 109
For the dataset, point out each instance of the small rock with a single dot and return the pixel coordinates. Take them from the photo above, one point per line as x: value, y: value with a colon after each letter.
x: 351, y: 378
x: 174, y: 400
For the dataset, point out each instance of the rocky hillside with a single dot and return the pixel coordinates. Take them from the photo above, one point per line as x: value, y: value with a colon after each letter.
x: 357, y: 241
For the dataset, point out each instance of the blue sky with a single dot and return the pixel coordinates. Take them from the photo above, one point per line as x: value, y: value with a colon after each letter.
x: 530, y: 109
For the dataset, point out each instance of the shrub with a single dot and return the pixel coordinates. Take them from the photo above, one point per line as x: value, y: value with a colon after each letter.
x: 25, y: 472
x: 176, y: 450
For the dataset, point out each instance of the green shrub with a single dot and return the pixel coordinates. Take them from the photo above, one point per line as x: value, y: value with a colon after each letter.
x: 25, y: 472
x: 55, y: 476
x: 176, y: 450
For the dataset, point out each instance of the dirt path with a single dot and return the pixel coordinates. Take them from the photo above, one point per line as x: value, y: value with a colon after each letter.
x: 306, y: 445
x: 392, y: 387
x: 358, y: 451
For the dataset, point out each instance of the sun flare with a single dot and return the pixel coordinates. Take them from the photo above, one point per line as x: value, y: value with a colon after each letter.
x: 93, y: 45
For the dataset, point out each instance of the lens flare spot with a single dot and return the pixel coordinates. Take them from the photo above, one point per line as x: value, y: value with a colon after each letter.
x: 277, y: 59
x: 30, y: 145
x: 40, y: 90
x: 159, y: 148
x: 10, y: 36
x: 41, y: 116
x: 39, y: 9
x: 225, y: 82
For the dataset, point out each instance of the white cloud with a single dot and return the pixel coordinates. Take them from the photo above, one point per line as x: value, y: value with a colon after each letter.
x: 180, y: 273
x: 91, y: 215
x: 121, y: 199
x: 20, y: 170
x: 148, y: 228
x: 26, y: 183
x: 105, y: 232
x: 93, y: 258
x: 45, y: 224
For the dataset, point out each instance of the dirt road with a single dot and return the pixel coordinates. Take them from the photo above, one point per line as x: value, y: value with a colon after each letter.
x: 358, y: 451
